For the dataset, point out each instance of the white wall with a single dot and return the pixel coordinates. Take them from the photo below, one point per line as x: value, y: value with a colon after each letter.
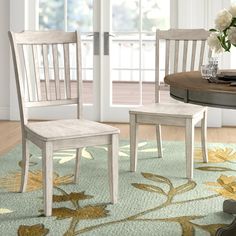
x: 19, y: 21
x: 4, y: 59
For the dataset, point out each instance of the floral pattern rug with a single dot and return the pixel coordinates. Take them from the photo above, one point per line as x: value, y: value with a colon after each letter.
x: 155, y: 200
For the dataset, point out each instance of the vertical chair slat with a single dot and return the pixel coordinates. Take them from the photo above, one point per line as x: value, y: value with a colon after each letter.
x: 203, y: 44
x: 176, y: 56
x: 46, y: 71
x: 79, y: 77
x: 157, y: 72
x: 194, y: 47
x: 67, y: 70
x: 167, y: 56
x: 25, y: 55
x: 56, y: 70
x: 36, y: 72
x: 185, y: 54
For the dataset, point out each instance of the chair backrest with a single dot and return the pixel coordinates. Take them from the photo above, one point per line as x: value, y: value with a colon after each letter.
x: 183, y: 50
x: 46, y: 64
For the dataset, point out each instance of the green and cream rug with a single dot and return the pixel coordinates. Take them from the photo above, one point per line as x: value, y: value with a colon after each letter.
x: 156, y: 200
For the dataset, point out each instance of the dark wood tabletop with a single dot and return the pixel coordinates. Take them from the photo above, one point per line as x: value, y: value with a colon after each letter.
x: 190, y: 87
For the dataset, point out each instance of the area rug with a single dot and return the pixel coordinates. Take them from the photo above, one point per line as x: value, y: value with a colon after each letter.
x: 155, y: 200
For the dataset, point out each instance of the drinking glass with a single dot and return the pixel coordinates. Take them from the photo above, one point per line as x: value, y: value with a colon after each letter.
x: 213, y: 62
x: 207, y: 71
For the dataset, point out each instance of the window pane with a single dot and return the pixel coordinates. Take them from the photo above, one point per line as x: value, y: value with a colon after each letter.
x: 80, y: 15
x: 125, y: 69
x: 155, y: 14
x: 125, y: 52
x: 133, y: 48
x: 51, y: 14
x: 125, y: 15
x: 148, y: 51
x: 125, y: 92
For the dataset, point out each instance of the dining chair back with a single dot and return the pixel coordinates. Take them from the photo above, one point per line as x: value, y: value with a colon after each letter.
x: 183, y: 50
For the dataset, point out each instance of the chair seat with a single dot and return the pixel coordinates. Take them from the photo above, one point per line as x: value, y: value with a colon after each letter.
x: 71, y: 128
x: 170, y: 110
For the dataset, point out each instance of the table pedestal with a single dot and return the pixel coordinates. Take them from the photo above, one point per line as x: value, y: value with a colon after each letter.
x: 229, y: 230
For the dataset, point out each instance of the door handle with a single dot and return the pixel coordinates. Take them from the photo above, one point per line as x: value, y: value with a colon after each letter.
x: 96, y: 43
x: 107, y: 43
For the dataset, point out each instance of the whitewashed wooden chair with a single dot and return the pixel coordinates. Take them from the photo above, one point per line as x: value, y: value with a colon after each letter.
x: 47, y: 54
x: 185, y: 49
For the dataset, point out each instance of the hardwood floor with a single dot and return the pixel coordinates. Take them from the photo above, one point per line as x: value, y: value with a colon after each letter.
x: 11, y: 134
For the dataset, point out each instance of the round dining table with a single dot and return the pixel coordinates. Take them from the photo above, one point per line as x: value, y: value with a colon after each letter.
x: 190, y: 87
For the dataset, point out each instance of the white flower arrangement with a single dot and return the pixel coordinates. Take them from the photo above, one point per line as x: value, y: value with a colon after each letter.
x: 223, y: 36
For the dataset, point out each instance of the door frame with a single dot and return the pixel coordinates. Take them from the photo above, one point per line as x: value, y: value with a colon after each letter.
x: 114, y: 112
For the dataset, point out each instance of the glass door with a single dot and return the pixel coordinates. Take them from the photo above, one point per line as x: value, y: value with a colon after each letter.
x: 129, y: 57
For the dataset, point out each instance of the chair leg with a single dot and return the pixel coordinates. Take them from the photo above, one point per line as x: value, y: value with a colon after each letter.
x: 25, y: 164
x: 77, y: 164
x: 189, y: 142
x: 204, y: 137
x: 113, y: 152
x: 159, y: 141
x: 47, y: 163
x: 133, y: 142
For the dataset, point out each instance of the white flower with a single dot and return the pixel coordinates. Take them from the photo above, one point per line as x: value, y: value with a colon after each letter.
x: 223, y: 20
x: 232, y: 35
x: 214, y: 43
x: 232, y: 10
